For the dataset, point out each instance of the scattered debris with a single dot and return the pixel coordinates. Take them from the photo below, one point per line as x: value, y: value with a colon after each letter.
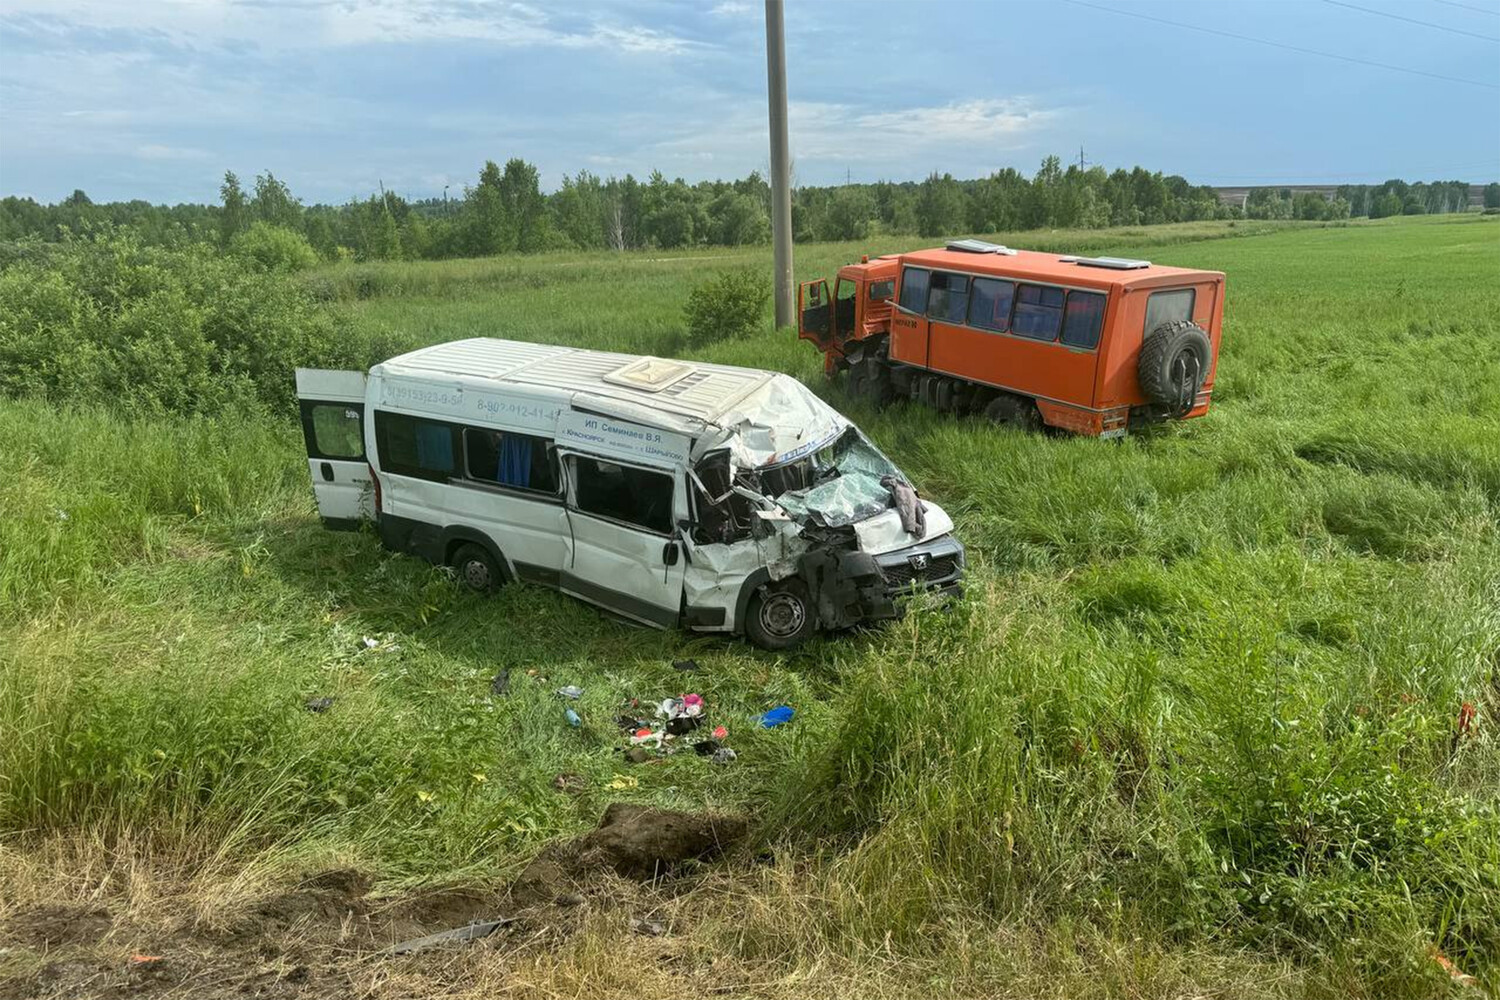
x: 686, y: 666
x: 319, y: 705
x: 720, y: 733
x: 500, y: 683
x: 705, y: 748
x: 622, y: 782
x: 573, y: 718
x: 780, y: 715
x: 1459, y: 977
x: 724, y: 755
x: 908, y: 507
x: 470, y: 932
x: 572, y: 692
x: 643, y: 736
x: 649, y: 928
x: 145, y: 959
x: 638, y: 755
x: 683, y: 724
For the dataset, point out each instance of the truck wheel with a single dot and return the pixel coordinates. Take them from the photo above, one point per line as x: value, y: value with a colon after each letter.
x: 877, y: 384
x: 856, y: 385
x: 1013, y: 411
x: 1173, y: 364
x: 476, y: 568
x: 780, y: 616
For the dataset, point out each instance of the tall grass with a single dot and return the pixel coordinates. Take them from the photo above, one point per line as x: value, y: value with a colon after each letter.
x: 1205, y: 692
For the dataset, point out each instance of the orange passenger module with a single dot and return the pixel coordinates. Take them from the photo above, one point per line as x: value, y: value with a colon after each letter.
x: 1094, y: 345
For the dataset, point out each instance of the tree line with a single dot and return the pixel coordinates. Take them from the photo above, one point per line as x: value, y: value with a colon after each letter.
x: 1375, y: 201
x: 505, y: 211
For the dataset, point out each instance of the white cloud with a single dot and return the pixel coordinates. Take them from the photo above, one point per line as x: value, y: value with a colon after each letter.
x: 512, y: 25
x: 732, y: 8
x: 988, y: 120
x: 157, y: 151
x: 322, y: 23
x: 896, y: 140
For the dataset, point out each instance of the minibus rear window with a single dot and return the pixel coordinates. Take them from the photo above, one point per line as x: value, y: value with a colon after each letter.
x: 337, y: 430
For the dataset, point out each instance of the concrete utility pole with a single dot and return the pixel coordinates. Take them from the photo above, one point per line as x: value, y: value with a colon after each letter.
x: 781, y: 163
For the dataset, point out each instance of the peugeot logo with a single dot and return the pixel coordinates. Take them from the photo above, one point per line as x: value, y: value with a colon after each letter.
x: 920, y: 562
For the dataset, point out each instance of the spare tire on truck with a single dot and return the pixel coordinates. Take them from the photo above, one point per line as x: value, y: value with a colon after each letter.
x: 1173, y: 364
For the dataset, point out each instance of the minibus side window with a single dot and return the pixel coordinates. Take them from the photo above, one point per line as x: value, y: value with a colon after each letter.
x: 636, y: 496
x: 521, y: 461
x: 413, y: 446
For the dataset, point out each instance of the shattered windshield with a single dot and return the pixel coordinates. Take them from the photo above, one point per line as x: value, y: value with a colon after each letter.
x: 836, y: 486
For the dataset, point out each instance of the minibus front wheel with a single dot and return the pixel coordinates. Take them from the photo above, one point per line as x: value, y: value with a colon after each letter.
x: 780, y: 616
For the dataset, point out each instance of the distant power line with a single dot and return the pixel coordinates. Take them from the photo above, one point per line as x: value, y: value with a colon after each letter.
x: 1282, y: 45
x: 1468, y: 6
x: 1411, y: 20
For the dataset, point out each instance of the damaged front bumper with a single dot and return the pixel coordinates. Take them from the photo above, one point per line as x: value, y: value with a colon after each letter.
x: 849, y: 586
x: 936, y: 565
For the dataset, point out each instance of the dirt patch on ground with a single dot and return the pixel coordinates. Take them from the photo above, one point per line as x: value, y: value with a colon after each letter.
x: 319, y: 936
x: 56, y: 924
x: 634, y: 842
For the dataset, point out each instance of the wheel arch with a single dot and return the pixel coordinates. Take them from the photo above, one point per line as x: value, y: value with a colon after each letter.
x: 756, y: 580
x: 461, y: 534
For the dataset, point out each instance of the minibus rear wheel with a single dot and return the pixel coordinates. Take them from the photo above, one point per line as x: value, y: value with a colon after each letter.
x: 780, y: 616
x: 475, y: 568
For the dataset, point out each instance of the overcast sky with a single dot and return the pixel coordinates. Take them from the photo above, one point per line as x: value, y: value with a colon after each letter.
x: 157, y: 98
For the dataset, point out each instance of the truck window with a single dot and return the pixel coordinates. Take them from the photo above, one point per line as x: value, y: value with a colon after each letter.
x: 882, y: 290
x: 517, y: 460
x: 989, y: 305
x: 948, y: 300
x: 337, y: 430
x: 1083, y: 319
x: 638, y: 497
x: 845, y: 301
x: 1039, y: 312
x: 1165, y: 307
x: 412, y: 446
x: 914, y: 289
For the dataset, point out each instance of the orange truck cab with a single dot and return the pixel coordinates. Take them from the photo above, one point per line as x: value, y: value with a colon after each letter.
x: 1093, y: 345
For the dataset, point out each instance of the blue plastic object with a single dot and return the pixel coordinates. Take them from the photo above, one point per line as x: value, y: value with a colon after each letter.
x: 777, y: 716
x: 573, y: 719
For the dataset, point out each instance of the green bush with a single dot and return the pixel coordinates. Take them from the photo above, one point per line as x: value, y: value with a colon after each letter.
x: 274, y: 248
x: 730, y: 305
x: 104, y: 318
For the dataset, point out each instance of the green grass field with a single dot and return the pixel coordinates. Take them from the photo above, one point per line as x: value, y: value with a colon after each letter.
x: 1194, y: 731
